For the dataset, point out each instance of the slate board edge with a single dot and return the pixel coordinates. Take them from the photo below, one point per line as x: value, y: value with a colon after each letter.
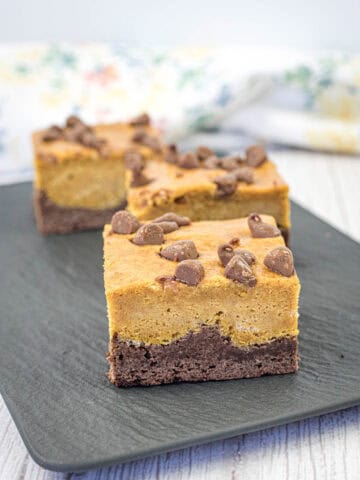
x: 172, y: 446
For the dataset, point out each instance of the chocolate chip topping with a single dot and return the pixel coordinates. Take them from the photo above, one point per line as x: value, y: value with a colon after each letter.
x: 141, y: 136
x: 280, y: 260
x: 203, y: 152
x: 134, y: 161
x: 188, y: 160
x: 149, y: 234
x: 190, y: 272
x: 244, y: 174
x: 173, y: 217
x: 248, y: 256
x: 167, y: 282
x: 124, y: 222
x: 181, y: 250
x: 234, y: 241
x: 211, y: 162
x: 142, y: 120
x: 168, y: 227
x: 171, y: 153
x: 73, y: 134
x: 231, y: 162
x: 226, y: 184
x: 52, y: 133
x: 76, y: 131
x: 73, y: 120
x: 226, y: 253
x: 238, y: 270
x: 255, y: 156
x: 165, y: 278
x: 139, y: 179
x: 260, y: 229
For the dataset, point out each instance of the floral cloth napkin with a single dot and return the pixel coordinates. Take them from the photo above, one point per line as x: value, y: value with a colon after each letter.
x: 289, y: 97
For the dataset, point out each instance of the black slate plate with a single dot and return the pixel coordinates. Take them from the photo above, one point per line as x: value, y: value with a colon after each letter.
x: 53, y: 339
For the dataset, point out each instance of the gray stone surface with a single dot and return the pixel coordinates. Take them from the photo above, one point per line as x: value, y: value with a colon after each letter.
x: 53, y: 339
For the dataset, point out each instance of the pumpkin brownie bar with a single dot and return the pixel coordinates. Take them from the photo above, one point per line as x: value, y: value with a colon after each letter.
x: 206, y: 187
x: 210, y: 300
x: 80, y: 172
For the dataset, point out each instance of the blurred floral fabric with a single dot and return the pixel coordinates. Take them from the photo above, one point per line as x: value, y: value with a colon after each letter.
x: 282, y: 96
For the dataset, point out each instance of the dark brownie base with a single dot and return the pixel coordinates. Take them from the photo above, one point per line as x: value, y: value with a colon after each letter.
x: 51, y: 218
x: 198, y: 357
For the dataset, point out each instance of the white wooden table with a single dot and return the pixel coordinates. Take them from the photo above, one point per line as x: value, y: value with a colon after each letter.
x: 326, y: 447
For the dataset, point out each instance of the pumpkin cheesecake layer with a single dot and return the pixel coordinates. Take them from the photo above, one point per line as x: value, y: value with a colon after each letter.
x: 193, y: 192
x: 76, y: 176
x: 148, y: 308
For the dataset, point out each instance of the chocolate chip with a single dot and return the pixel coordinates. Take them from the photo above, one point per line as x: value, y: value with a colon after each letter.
x: 139, y: 179
x: 173, y: 217
x: 238, y: 270
x: 88, y: 139
x: 142, y: 120
x: 124, y: 222
x: 74, y: 134
x: 234, y: 241
x: 77, y: 131
x: 73, y: 120
x: 203, y: 152
x: 188, y: 160
x: 225, y: 253
x: 226, y: 185
x: 171, y: 153
x: 280, y: 260
x: 134, y: 161
x: 244, y: 174
x: 168, y: 227
x: 167, y: 282
x: 255, y: 156
x: 181, y: 250
x: 248, y: 256
x: 149, y: 234
x: 140, y: 136
x: 231, y: 162
x: 211, y: 162
x: 260, y: 229
x: 190, y: 272
x: 165, y: 278
x: 52, y: 133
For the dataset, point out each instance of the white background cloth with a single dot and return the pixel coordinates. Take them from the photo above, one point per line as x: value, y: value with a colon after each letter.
x: 290, y: 97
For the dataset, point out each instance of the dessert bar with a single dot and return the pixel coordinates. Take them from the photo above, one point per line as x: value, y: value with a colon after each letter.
x: 80, y: 172
x: 198, y: 301
x: 205, y: 187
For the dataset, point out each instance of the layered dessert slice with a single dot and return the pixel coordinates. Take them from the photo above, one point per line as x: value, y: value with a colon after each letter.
x: 205, y: 187
x: 210, y: 300
x: 80, y: 171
